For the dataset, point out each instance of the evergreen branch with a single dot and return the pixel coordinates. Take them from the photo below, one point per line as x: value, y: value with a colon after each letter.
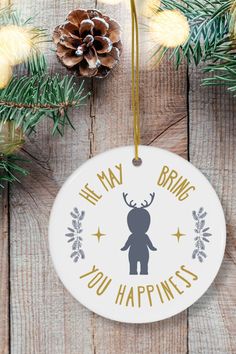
x: 224, y: 70
x: 9, y: 16
x: 209, y: 24
x: 38, y: 106
x: 9, y: 169
x: 211, y: 39
x: 28, y: 100
x: 36, y: 64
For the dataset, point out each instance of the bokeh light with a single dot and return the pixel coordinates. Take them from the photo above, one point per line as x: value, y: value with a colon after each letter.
x: 5, y: 72
x: 169, y: 28
x: 148, y: 8
x: 15, y: 43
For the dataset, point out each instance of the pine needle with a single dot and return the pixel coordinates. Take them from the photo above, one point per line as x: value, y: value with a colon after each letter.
x: 10, y: 170
x: 210, y: 40
x: 29, y: 99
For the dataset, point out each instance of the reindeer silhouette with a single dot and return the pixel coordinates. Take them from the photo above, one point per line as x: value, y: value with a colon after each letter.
x: 138, y: 242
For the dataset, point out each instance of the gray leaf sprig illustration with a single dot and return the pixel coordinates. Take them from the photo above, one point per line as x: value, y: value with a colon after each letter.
x: 202, y: 235
x: 74, y: 235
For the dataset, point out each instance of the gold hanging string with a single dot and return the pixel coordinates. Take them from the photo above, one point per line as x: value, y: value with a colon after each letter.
x: 135, y: 77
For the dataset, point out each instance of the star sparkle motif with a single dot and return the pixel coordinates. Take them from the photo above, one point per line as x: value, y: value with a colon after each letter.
x: 178, y: 234
x: 99, y: 234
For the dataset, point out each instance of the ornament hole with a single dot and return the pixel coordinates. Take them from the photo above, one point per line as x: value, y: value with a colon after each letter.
x: 137, y: 162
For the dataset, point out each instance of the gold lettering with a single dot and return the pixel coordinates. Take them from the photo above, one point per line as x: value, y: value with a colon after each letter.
x: 111, y: 179
x: 94, y: 269
x: 95, y: 280
x: 88, y: 194
x: 141, y: 290
x: 181, y: 187
x: 167, y: 290
x: 130, y: 297
x: 119, y: 168
x: 178, y: 274
x: 101, y: 179
x: 101, y: 290
x: 170, y: 179
x: 120, y: 294
x: 159, y: 293
x: 185, y: 195
x: 175, y: 286
x: 174, y: 183
x: 195, y: 277
x: 163, y: 174
x: 150, y: 289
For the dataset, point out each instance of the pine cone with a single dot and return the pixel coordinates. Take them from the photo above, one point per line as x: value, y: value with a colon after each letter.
x: 88, y: 43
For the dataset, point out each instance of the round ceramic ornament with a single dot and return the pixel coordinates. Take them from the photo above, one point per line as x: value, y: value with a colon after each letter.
x: 141, y: 243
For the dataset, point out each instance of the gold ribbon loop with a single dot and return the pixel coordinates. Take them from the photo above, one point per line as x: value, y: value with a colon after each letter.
x: 135, y: 77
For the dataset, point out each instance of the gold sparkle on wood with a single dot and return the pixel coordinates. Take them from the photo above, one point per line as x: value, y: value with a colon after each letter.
x: 178, y: 234
x: 98, y: 234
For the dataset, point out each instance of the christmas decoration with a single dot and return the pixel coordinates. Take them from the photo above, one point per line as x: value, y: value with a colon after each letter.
x: 27, y: 100
x: 211, y: 38
x: 132, y: 251
x: 88, y: 43
x: 167, y: 267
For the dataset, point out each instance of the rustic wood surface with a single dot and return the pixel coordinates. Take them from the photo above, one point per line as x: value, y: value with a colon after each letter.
x: 40, y: 316
x: 212, y: 148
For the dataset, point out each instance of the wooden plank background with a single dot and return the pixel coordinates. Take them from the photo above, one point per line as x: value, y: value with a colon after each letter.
x: 38, y: 316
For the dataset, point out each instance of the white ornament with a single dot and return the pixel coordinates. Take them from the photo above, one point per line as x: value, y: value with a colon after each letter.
x: 137, y: 244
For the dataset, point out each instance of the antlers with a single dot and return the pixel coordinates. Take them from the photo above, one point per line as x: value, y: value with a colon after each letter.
x: 146, y: 205
x: 131, y: 204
